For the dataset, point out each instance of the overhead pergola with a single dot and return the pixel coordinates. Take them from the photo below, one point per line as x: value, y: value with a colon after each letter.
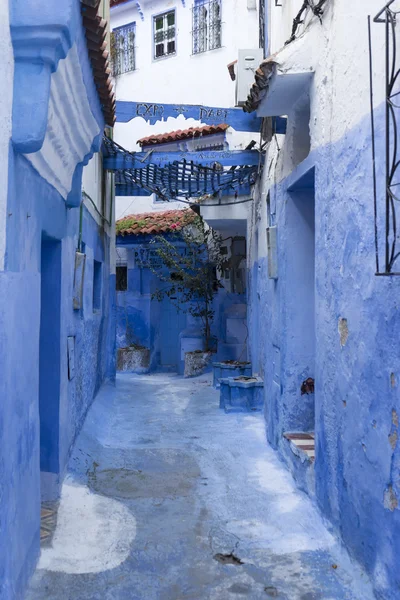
x: 185, y: 175
x: 180, y: 175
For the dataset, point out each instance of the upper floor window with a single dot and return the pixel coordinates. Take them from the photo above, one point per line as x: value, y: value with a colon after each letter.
x: 123, y: 49
x: 206, y: 25
x: 164, y: 34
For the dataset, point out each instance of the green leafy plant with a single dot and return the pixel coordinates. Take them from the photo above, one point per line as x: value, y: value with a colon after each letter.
x: 190, y: 260
x: 126, y: 223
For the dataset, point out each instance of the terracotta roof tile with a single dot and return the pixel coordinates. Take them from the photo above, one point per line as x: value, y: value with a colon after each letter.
x: 259, y: 89
x: 185, y: 134
x: 155, y: 222
x: 96, y: 31
x: 231, y: 69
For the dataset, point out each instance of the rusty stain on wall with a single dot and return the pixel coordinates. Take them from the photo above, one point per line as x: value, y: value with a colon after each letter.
x: 390, y: 500
x: 392, y: 380
x: 393, y: 439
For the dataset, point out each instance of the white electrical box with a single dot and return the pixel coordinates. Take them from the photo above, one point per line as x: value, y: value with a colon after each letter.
x: 247, y: 65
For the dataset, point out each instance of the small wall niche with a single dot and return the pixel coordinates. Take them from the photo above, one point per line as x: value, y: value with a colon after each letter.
x: 97, y: 271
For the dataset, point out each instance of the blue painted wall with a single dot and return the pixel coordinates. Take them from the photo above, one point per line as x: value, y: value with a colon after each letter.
x: 36, y: 313
x: 158, y: 325
x: 36, y: 211
x: 357, y: 399
x: 141, y: 320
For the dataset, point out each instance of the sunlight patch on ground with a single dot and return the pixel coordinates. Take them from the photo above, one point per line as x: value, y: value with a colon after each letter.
x: 296, y: 534
x: 93, y: 533
x: 271, y: 478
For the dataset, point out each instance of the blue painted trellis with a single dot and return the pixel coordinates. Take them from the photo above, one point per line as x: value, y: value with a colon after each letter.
x: 179, y: 179
x: 184, y: 175
x: 207, y: 158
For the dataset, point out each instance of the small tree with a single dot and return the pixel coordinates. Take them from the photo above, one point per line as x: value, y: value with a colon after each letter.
x: 189, y: 270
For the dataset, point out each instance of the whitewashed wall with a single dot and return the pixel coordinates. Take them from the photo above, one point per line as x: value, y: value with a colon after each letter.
x: 6, y: 97
x: 92, y: 180
x: 280, y: 19
x: 183, y: 78
x: 336, y: 51
x: 191, y: 79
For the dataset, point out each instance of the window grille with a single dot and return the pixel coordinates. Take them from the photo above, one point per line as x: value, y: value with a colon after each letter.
x: 209, y: 147
x: 123, y: 49
x: 164, y: 34
x: 207, y: 25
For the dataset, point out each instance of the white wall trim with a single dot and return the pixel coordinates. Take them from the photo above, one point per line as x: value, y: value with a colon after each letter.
x: 71, y: 126
x: 6, y: 100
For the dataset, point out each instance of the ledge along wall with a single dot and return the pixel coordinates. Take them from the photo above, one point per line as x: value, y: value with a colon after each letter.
x: 355, y: 360
x: 45, y: 161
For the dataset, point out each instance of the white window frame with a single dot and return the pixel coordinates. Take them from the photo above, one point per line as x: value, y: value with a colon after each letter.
x: 166, y: 34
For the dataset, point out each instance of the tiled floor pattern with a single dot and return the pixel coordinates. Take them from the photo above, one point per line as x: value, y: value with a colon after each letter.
x: 48, y: 522
x: 305, y: 442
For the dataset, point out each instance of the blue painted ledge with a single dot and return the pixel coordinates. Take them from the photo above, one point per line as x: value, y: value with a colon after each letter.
x: 302, y: 177
x: 226, y: 370
x: 241, y: 394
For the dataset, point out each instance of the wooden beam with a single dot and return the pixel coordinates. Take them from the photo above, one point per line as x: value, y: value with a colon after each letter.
x: 235, y: 117
x: 209, y: 115
x: 122, y: 189
x: 141, y: 160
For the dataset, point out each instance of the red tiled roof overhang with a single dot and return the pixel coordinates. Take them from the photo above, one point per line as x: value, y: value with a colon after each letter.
x: 231, y: 69
x: 182, y: 134
x: 96, y: 32
x: 155, y: 222
x: 259, y: 89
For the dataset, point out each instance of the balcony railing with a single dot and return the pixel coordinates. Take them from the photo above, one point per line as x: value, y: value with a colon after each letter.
x: 387, y: 198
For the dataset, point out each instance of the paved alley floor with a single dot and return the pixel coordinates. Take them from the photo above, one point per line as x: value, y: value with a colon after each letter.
x: 169, y: 498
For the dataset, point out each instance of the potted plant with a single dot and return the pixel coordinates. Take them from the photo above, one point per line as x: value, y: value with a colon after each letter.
x: 190, y: 260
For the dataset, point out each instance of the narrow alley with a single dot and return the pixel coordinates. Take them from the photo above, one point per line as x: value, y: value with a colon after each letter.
x: 169, y: 498
x: 199, y: 300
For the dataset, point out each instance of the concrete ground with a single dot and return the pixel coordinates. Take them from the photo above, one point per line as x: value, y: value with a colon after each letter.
x: 169, y: 498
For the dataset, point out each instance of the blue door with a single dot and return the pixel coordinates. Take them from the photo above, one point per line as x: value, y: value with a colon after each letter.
x: 172, y: 323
